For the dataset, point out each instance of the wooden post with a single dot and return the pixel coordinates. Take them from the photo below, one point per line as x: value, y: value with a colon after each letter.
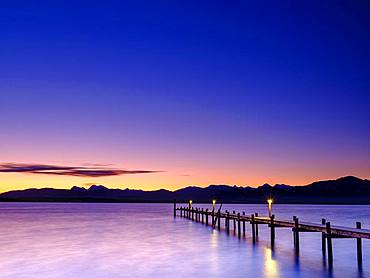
x: 323, y: 244
x: 219, y: 220
x: 272, y: 230
x: 227, y: 221
x: 253, y: 228
x: 213, y: 217
x: 174, y: 208
x: 207, y: 217
x: 192, y: 214
x: 359, y: 247
x: 293, y: 231
x: 329, y: 244
x: 239, y: 225
x: 243, y: 224
x: 234, y: 221
x: 256, y: 214
x: 202, y: 212
x: 296, y: 235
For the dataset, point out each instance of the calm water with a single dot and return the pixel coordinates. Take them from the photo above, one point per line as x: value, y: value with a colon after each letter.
x: 144, y: 240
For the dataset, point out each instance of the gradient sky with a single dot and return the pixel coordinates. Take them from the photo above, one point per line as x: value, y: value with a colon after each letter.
x: 209, y: 92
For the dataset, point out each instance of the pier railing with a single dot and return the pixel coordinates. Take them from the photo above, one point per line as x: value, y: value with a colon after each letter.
x: 328, y: 232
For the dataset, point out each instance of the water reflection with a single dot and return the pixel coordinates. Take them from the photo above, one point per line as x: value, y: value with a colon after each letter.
x: 271, y: 266
x: 214, y: 258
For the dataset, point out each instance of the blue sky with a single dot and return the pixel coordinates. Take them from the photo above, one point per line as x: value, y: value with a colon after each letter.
x: 207, y: 91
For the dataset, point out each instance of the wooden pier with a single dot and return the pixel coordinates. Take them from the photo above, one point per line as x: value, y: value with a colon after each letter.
x: 328, y: 232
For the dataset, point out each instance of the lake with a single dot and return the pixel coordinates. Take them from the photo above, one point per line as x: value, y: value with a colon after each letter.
x: 145, y: 240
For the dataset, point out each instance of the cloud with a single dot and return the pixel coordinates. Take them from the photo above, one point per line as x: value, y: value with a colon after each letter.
x: 77, y: 171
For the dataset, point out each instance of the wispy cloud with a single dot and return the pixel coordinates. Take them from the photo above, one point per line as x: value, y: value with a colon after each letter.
x: 77, y: 171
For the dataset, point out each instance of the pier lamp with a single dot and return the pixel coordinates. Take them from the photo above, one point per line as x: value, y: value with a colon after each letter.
x: 190, y: 203
x: 213, y: 204
x: 269, y: 203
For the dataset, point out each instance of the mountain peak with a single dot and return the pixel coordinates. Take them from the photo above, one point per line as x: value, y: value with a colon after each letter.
x: 78, y: 189
x: 266, y: 185
x: 95, y: 187
x: 349, y: 179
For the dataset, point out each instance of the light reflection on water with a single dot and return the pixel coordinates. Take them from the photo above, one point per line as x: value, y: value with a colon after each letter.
x: 271, y: 267
x: 144, y: 240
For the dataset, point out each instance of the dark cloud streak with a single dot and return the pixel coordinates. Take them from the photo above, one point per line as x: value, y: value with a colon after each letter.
x: 76, y: 171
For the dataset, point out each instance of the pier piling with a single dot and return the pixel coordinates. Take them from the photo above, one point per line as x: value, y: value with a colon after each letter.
x: 207, y: 217
x: 239, y: 225
x: 227, y: 221
x: 219, y: 220
x: 323, y: 238
x: 272, y: 230
x: 359, y: 247
x: 329, y: 244
x: 234, y: 221
x: 243, y: 224
x: 256, y: 214
x: 253, y: 228
x: 296, y: 235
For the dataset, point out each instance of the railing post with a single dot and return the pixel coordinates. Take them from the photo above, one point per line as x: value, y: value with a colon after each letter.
x: 323, y: 244
x: 272, y: 230
x: 202, y: 215
x: 329, y: 244
x: 359, y: 247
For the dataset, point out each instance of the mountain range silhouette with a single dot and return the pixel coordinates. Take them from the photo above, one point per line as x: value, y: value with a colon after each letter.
x: 345, y: 190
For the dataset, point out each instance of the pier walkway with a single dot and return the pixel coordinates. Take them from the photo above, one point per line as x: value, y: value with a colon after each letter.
x: 239, y: 220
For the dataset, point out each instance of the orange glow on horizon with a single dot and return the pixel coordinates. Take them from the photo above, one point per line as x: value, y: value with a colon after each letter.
x: 154, y: 181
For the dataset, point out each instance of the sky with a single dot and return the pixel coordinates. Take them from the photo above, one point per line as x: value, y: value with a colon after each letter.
x: 165, y: 94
